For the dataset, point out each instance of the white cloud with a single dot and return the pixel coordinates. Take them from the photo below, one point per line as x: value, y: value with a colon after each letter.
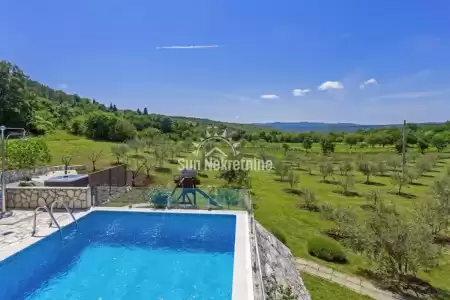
x: 300, y: 92
x: 327, y: 85
x: 189, y: 47
x: 269, y: 97
x: 367, y: 82
x: 62, y: 86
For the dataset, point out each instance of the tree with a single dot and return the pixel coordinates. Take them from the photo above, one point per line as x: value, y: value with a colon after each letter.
x: 307, y: 143
x: 119, y: 152
x: 351, y: 140
x: 15, y: 97
x: 394, y: 163
x: 145, y: 111
x: 399, y: 180
x: 94, y: 157
x: 327, y: 146
x: 286, y: 148
x: 346, y: 183
x: 293, y: 178
x: 149, y: 165
x: 422, y: 145
x: 234, y: 176
x: 281, y: 169
x: 439, y: 141
x: 27, y: 154
x: 343, y: 217
x: 374, y: 198
x: 229, y: 196
x: 139, y: 162
x: 399, y: 146
x: 398, y: 245
x: 423, y: 165
x: 65, y: 160
x: 345, y: 167
x: 309, y: 199
x: 366, y: 168
x: 326, y: 169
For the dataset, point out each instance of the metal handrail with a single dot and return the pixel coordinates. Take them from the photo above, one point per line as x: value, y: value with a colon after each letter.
x: 66, y: 208
x: 44, y: 207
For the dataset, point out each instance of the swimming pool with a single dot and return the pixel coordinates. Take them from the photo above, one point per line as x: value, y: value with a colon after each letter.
x: 68, y: 177
x: 128, y: 255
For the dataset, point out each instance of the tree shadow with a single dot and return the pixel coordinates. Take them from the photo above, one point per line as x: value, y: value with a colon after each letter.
x: 367, y: 207
x: 434, y: 171
x: 310, y: 208
x: 293, y: 191
x: 374, y: 183
x: 442, y: 240
x: 404, y: 195
x: 418, y: 184
x: 333, y: 182
x: 347, y: 193
x: 164, y: 170
x: 428, y: 176
x: 383, y: 175
x: 281, y: 180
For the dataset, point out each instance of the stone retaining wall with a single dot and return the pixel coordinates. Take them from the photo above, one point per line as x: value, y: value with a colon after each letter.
x: 18, y: 175
x: 278, y: 266
x: 33, y: 197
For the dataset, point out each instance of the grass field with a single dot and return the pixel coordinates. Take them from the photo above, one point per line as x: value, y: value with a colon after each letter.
x: 277, y: 209
x: 321, y: 289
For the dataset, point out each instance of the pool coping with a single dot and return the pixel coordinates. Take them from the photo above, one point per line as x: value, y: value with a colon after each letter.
x: 242, y: 266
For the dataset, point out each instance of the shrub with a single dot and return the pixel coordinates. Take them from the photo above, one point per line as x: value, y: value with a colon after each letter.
x: 278, y: 234
x: 326, y: 249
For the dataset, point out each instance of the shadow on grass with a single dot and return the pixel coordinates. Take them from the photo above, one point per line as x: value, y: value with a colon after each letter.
x: 333, y: 233
x: 347, y: 193
x: 164, y: 170
x: 403, y: 195
x: 408, y: 286
x: 293, y: 191
x: 310, y: 208
x: 383, y: 175
x: 427, y: 175
x: 434, y: 171
x: 370, y: 207
x: 333, y: 182
x: 374, y: 183
x: 418, y: 184
x: 442, y: 240
x: 281, y: 180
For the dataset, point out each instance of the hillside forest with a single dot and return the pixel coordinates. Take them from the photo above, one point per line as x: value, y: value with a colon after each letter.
x: 40, y: 109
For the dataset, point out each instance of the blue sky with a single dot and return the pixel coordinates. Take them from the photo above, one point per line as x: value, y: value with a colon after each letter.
x: 265, y: 61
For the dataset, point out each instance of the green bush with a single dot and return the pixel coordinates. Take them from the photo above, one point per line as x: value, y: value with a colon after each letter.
x: 326, y: 249
x: 278, y: 234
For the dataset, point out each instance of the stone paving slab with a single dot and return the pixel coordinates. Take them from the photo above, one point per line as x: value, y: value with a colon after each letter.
x: 356, y: 284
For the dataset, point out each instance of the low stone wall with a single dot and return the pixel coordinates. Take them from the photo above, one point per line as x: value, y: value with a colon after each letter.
x: 278, y: 265
x: 104, y: 193
x: 33, y: 197
x: 18, y: 175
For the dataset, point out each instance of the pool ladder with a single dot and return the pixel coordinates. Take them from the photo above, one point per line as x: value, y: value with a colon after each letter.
x: 52, y: 216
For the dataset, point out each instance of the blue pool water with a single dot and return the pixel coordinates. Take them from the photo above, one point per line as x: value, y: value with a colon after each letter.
x: 67, y: 177
x: 127, y: 255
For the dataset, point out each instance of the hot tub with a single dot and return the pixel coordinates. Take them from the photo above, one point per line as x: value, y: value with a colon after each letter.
x: 77, y: 180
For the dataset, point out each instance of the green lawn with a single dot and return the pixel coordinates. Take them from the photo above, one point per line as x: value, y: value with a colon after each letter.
x: 321, y: 289
x: 275, y: 208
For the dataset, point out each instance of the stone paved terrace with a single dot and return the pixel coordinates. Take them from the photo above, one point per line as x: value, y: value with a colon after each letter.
x: 15, y: 231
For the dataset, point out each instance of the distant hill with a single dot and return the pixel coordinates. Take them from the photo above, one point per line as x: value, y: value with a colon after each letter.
x: 321, y: 127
